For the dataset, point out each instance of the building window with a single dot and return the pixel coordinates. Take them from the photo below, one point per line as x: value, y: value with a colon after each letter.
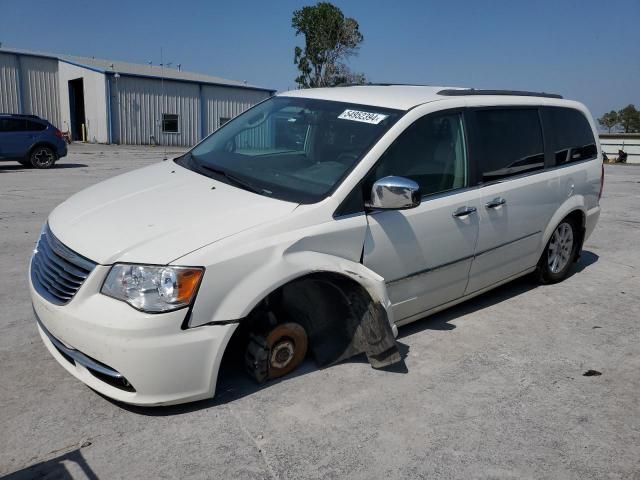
x: 169, y: 123
x: 224, y: 120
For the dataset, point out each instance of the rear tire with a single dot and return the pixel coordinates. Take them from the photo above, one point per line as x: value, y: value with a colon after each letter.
x: 560, y: 253
x: 42, y: 157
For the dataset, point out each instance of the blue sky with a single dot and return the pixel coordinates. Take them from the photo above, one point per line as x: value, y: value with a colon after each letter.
x: 583, y: 49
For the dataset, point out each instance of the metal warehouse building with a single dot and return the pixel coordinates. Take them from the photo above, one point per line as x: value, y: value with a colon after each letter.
x: 108, y: 101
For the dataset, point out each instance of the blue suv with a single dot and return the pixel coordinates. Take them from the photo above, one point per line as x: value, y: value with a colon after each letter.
x: 30, y: 140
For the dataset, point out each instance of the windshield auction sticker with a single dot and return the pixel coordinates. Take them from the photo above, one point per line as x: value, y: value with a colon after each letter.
x: 365, y: 117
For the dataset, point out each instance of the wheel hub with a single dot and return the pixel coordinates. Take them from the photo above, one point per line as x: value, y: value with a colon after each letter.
x: 43, y: 157
x: 282, y: 353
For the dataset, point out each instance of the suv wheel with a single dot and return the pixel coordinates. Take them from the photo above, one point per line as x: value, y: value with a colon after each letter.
x: 42, y: 157
x: 559, y: 254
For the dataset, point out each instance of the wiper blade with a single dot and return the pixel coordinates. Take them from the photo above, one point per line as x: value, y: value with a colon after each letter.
x: 238, y: 182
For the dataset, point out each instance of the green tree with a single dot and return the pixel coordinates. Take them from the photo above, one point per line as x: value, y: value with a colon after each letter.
x: 609, y: 120
x: 629, y: 119
x: 329, y: 40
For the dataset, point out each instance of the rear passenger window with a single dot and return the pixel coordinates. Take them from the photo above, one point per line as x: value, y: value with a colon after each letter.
x: 12, y: 125
x: 570, y: 135
x: 509, y: 142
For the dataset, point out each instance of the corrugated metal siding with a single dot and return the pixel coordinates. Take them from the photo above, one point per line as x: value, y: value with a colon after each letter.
x: 224, y: 102
x: 9, y: 100
x: 37, y: 79
x: 137, y: 105
x: 40, y: 87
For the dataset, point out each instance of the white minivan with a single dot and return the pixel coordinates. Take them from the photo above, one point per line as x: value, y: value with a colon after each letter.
x: 314, y: 223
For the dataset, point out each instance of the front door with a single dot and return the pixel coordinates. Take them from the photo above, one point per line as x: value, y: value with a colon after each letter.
x: 424, y: 253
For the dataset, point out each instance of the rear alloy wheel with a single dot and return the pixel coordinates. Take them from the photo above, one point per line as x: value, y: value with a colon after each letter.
x: 555, y: 263
x: 277, y: 353
x: 42, y: 157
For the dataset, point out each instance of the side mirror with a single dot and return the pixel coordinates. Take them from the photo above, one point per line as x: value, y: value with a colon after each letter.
x: 395, y: 193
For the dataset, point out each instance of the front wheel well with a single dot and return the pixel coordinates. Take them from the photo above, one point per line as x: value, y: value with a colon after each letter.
x: 339, y: 315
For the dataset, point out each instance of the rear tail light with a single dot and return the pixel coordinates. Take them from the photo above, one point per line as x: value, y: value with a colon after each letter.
x: 57, y: 133
x: 601, y: 183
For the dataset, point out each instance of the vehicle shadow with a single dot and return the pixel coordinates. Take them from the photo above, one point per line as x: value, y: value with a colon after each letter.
x: 57, y: 166
x: 54, y: 468
x: 234, y: 383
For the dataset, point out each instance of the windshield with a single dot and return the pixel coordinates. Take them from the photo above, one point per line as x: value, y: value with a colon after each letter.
x: 295, y: 149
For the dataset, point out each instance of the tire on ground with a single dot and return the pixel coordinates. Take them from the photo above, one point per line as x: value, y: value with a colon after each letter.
x: 545, y: 271
x: 42, y: 157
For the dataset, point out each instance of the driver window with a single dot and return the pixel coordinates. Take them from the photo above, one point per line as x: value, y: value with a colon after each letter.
x: 431, y: 151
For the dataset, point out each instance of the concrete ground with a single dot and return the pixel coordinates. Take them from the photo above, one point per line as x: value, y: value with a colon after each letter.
x: 494, y: 388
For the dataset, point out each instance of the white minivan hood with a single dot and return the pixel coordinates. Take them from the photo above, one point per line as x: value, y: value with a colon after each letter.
x: 157, y: 214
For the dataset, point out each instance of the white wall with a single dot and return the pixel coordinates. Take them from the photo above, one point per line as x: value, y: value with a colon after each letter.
x: 95, y: 100
x: 137, y: 105
x: 39, y: 78
x: 227, y: 102
x: 9, y: 88
x: 630, y: 144
x: 33, y: 78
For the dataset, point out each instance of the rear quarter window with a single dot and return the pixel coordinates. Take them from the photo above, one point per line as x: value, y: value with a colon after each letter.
x: 570, y: 135
x: 34, y: 126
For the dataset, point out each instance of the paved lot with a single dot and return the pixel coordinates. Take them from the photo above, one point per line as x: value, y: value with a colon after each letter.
x: 494, y: 387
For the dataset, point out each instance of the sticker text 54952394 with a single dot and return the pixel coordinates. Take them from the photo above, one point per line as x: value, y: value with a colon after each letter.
x: 365, y: 117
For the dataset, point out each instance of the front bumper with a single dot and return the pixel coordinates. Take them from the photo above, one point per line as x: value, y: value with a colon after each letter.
x: 158, y: 362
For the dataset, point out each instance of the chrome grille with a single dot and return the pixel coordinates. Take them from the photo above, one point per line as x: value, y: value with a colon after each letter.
x: 57, y: 272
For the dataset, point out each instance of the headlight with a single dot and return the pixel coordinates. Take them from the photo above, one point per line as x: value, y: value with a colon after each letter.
x: 151, y: 288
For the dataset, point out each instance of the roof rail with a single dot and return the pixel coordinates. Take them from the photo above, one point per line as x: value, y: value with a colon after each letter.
x: 453, y: 92
x: 381, y: 84
x: 23, y: 115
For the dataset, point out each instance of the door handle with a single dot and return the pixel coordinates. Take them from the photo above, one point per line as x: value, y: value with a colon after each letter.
x: 464, y: 211
x: 495, y: 203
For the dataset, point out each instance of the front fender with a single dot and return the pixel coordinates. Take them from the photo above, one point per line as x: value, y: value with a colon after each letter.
x: 290, y: 266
